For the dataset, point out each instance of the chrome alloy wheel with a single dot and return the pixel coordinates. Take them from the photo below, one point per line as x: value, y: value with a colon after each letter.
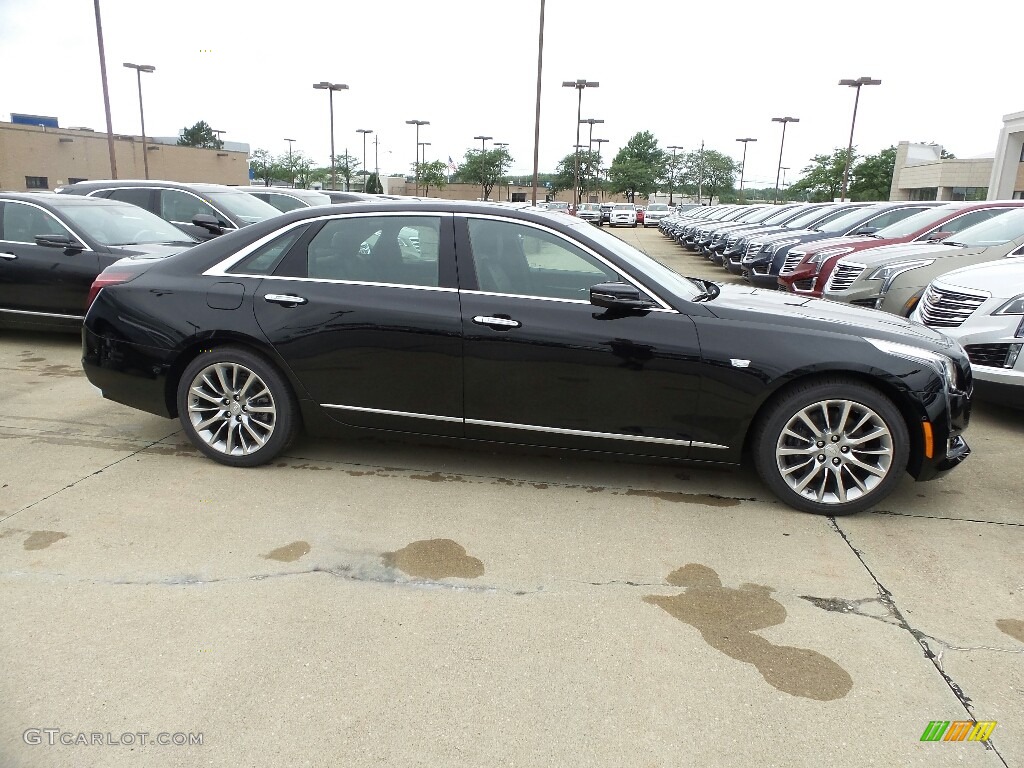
x: 231, y: 409
x: 834, y: 451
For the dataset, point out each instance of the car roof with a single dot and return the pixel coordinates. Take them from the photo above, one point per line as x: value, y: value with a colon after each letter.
x: 194, y: 186
x: 52, y: 198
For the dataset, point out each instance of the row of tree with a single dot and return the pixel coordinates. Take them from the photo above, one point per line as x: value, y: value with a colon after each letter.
x: 640, y: 168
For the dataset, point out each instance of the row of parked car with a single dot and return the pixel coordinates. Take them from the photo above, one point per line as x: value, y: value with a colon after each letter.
x: 616, y: 214
x: 942, y: 264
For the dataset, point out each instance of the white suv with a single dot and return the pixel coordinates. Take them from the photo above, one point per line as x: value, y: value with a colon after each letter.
x: 623, y: 214
x: 654, y: 214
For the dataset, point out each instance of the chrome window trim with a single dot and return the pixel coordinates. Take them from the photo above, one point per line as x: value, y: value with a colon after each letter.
x: 85, y: 249
x: 437, y: 289
x: 669, y: 311
x: 220, y: 268
x: 43, y: 314
x: 527, y: 427
x: 587, y: 249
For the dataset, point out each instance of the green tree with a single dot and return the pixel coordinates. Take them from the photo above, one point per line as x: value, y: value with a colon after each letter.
x: 433, y: 174
x: 637, y: 167
x: 710, y: 172
x: 303, y: 170
x: 373, y: 184
x: 485, y: 168
x: 199, y: 135
x: 673, y: 173
x: 565, y: 173
x: 871, y: 178
x: 346, y: 166
x: 265, y: 167
x: 823, y: 178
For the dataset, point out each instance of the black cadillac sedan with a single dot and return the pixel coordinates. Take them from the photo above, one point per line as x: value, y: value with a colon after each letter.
x: 485, y: 322
x: 52, y: 247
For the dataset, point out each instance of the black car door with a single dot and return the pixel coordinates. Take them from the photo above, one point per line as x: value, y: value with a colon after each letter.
x: 37, y: 279
x: 365, y: 311
x: 544, y: 366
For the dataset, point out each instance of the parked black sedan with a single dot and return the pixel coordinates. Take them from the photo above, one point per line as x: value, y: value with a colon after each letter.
x: 52, y: 247
x: 498, y: 324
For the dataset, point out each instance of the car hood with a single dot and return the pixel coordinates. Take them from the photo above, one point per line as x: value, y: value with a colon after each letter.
x: 737, y: 302
x: 1002, y: 279
x: 891, y: 254
x: 836, y: 242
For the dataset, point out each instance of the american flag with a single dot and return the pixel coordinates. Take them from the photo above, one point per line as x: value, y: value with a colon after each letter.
x: 451, y: 164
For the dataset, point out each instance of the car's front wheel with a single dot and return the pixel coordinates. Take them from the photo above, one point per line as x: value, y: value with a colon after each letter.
x: 831, y: 447
x: 236, y: 407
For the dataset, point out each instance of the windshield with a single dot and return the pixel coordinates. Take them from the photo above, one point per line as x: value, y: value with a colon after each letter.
x: 809, y: 217
x: 655, y: 274
x: 779, y: 216
x: 123, y: 224
x: 995, y: 231
x: 844, y: 221
x: 243, y: 206
x: 757, y: 216
x: 911, y: 224
x: 657, y: 207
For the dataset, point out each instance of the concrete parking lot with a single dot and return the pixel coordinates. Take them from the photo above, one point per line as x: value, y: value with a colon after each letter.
x: 396, y: 603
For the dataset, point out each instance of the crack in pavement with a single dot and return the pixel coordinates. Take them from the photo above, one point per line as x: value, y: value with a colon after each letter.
x: 86, y: 477
x: 943, y: 517
x: 886, y: 599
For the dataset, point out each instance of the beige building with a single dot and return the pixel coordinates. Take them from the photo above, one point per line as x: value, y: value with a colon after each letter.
x: 1007, y: 180
x: 921, y: 174
x: 37, y: 158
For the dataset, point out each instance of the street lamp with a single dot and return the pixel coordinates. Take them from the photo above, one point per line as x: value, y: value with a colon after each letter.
x: 483, y: 149
x: 502, y: 145
x: 416, y: 164
x: 672, y: 176
x: 782, y: 143
x: 331, y: 88
x: 597, y: 170
x: 139, y: 69
x: 590, y: 142
x: 423, y: 148
x: 364, y: 131
x: 849, y: 150
x: 536, y: 121
x: 291, y: 168
x: 579, y: 85
x: 743, y: 167
x: 219, y: 134
x: 784, y: 169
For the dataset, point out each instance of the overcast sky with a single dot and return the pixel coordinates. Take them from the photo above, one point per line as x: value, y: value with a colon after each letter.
x: 687, y: 72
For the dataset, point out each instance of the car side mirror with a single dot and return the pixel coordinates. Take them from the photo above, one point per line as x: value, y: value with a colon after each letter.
x: 936, y: 236
x: 866, y: 231
x: 208, y: 222
x: 618, y: 296
x: 59, y: 241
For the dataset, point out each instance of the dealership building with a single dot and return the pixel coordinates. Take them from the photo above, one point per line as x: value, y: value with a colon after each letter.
x: 35, y: 154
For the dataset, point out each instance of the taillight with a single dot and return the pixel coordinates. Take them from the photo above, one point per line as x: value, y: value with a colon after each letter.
x: 108, y: 277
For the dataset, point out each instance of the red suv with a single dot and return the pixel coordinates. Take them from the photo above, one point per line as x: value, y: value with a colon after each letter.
x: 807, y: 268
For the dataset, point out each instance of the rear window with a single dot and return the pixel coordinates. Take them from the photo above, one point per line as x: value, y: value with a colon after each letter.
x: 624, y: 207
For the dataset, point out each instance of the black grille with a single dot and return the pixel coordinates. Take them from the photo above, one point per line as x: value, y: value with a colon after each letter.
x: 993, y: 355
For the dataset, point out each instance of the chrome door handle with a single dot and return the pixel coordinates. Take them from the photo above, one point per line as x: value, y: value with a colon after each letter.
x: 501, y: 322
x: 8, y: 255
x: 283, y: 298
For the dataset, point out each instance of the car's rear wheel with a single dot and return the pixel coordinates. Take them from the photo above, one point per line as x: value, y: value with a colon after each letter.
x: 236, y: 407
x: 831, y: 447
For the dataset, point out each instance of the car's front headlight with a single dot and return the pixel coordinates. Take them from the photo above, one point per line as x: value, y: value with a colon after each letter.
x: 822, y: 256
x: 941, y: 363
x: 890, y: 272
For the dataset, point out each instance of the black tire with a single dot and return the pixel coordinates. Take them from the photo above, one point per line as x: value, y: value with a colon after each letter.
x: 634, y: 225
x: 841, y: 464
x: 235, y: 431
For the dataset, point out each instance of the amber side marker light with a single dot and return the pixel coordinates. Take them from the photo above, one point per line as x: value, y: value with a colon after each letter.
x: 929, y: 440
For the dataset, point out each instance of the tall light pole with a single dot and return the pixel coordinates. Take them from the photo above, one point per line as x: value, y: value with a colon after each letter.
x: 423, y: 148
x: 590, y: 141
x: 784, y: 121
x: 536, y: 121
x: 502, y: 145
x: 364, y: 131
x: 139, y: 69
x: 849, y: 149
x: 672, y: 176
x: 700, y: 174
x: 784, y: 169
x: 743, y: 166
x: 579, y: 85
x: 376, y: 157
x: 219, y: 133
x: 416, y: 164
x: 483, y: 149
x: 597, y: 170
x: 331, y: 88
x: 291, y: 168
x: 106, y: 93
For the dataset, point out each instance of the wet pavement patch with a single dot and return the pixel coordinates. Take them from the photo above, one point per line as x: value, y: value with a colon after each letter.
x: 1012, y: 627
x: 435, y: 559
x: 686, y: 498
x: 43, y: 539
x: 289, y: 553
x: 727, y: 620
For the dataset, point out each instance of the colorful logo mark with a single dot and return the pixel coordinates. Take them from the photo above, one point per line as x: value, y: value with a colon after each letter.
x: 958, y: 730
